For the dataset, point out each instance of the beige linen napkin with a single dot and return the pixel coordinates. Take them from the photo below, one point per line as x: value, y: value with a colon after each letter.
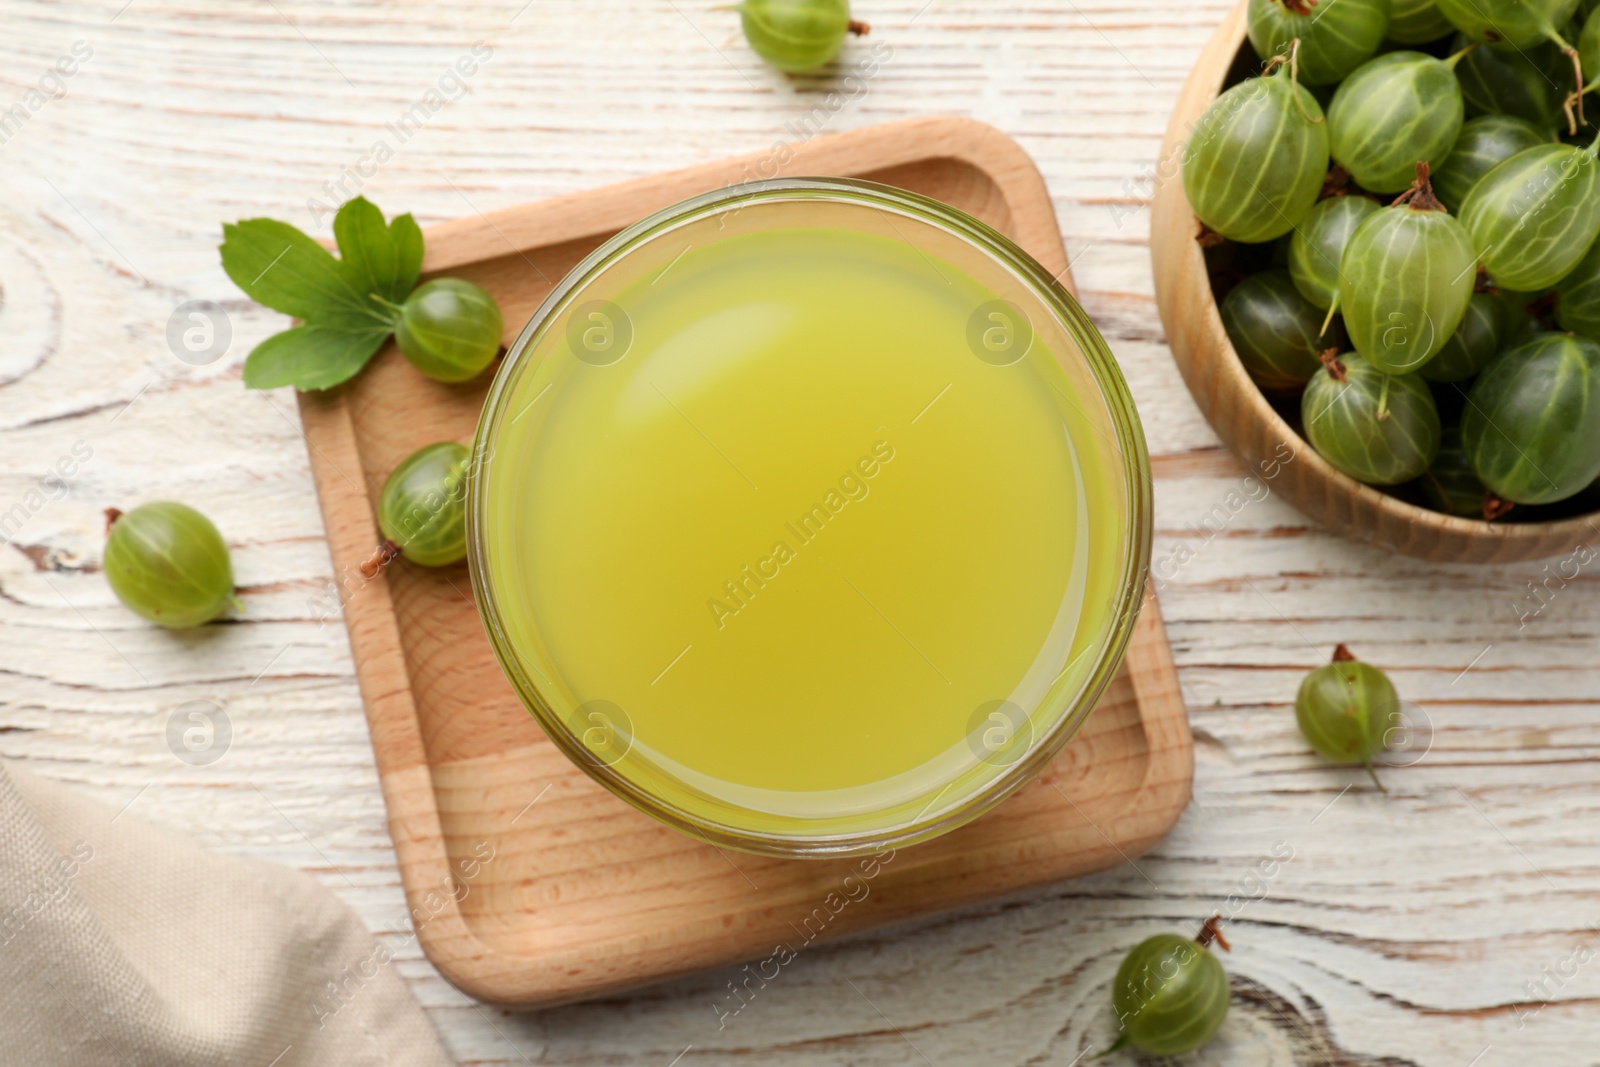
x: 123, y: 945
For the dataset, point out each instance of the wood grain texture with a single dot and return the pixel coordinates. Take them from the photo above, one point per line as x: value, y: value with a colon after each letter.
x: 584, y: 895
x: 1404, y: 930
x: 1243, y: 417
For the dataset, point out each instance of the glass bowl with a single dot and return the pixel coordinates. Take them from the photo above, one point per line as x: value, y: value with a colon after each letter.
x: 809, y: 516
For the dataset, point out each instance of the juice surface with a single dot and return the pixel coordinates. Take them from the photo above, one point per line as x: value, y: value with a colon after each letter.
x: 800, y: 542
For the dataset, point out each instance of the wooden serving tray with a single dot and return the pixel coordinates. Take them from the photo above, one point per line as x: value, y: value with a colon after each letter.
x: 529, y: 884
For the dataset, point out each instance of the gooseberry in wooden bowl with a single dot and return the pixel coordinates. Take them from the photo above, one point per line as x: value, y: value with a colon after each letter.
x: 1263, y: 432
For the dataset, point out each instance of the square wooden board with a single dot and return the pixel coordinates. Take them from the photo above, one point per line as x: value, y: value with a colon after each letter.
x: 530, y: 885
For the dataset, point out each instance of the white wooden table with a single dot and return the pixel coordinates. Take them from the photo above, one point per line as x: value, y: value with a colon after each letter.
x: 1448, y: 924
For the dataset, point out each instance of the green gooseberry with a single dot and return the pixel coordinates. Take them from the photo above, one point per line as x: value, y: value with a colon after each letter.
x: 1578, y: 296
x: 1533, y: 216
x: 797, y: 35
x: 1525, y: 84
x: 168, y: 564
x: 1523, y: 319
x: 1589, y: 50
x: 1474, y: 343
x: 1449, y: 485
x: 1276, y: 332
x: 1417, y: 21
x: 1394, y: 111
x: 1531, y: 427
x: 1348, y: 710
x: 1171, y: 993
x: 1484, y: 142
x: 422, y: 510
x: 1510, y: 23
x: 1255, y: 162
x: 1406, y: 278
x: 1335, y: 37
x: 1318, y: 244
x: 1381, y: 429
x: 449, y: 329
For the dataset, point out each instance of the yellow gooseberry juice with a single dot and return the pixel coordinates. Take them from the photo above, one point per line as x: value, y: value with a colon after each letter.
x: 803, y: 522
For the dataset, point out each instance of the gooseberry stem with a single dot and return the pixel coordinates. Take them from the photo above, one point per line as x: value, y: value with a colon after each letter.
x: 1494, y: 507
x: 1374, y: 774
x: 1330, y: 359
x: 1451, y: 61
x: 394, y: 308
x: 386, y: 554
x: 112, y: 515
x: 1211, y: 931
x: 1383, y: 398
x: 1342, y: 654
x: 1327, y: 320
x: 1420, y: 196
x: 859, y: 28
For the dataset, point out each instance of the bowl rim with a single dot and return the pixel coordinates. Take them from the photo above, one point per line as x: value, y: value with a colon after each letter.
x: 1135, y: 483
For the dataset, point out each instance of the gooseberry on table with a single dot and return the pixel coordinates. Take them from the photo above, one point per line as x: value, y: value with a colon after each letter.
x: 168, y: 564
x: 1171, y: 993
x: 1348, y: 710
x: 797, y: 35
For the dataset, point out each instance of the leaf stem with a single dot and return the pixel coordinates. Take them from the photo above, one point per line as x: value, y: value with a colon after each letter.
x: 395, y: 309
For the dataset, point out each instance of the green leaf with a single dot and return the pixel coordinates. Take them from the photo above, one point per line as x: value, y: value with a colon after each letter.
x: 377, y: 258
x: 313, y: 356
x: 277, y: 265
x: 408, y: 245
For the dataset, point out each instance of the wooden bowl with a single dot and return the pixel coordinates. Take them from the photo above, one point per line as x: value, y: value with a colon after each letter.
x: 1247, y: 423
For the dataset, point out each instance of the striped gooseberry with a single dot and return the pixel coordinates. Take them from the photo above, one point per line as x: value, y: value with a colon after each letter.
x: 1531, y: 427
x: 1406, y: 278
x: 1474, y: 343
x: 797, y: 35
x: 1171, y: 993
x: 1348, y: 710
x: 449, y: 329
x: 422, y: 510
x: 1417, y: 22
x: 1318, y: 243
x: 1526, y: 84
x: 1382, y: 429
x: 1255, y: 163
x: 1485, y: 142
x: 1336, y: 36
x: 1510, y: 23
x: 1533, y: 216
x: 168, y: 563
x: 1392, y: 112
x: 1578, y: 296
x: 1450, y: 486
x: 1275, y: 331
